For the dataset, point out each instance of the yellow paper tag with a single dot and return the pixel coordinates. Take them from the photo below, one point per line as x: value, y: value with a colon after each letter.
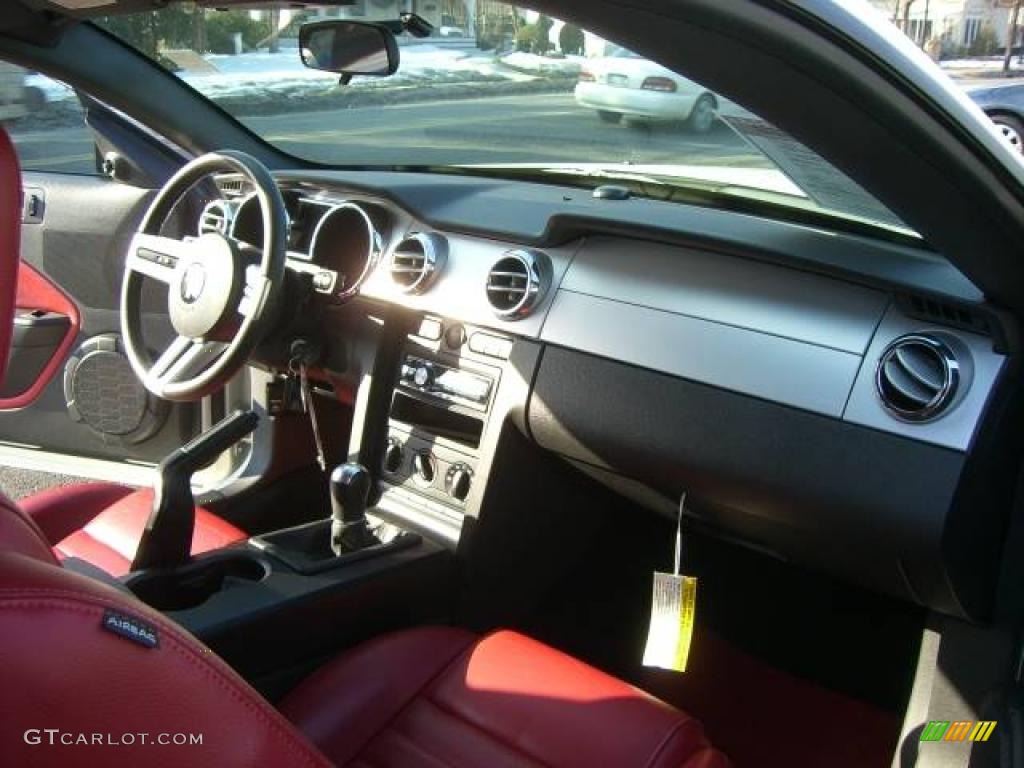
x: 673, y: 610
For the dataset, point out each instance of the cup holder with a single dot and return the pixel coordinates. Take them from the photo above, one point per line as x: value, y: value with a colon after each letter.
x: 193, y: 584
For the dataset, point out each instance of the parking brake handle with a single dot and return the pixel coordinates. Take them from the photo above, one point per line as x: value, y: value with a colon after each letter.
x: 167, y: 540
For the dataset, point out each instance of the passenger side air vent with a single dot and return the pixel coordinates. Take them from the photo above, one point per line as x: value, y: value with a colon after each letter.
x: 517, y: 283
x: 216, y: 217
x: 417, y: 261
x: 917, y: 378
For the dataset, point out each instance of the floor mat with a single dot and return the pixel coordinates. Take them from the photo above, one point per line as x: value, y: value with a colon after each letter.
x: 788, y: 668
x: 760, y: 716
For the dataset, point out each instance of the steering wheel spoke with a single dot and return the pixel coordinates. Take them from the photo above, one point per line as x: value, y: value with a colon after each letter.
x: 155, y: 256
x: 252, y: 290
x: 184, y: 359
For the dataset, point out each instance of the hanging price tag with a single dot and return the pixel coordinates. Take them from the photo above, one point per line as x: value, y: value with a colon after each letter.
x: 673, y: 609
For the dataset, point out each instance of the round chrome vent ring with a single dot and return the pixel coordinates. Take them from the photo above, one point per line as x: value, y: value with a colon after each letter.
x: 917, y: 377
x: 217, y: 216
x: 517, y: 282
x: 417, y: 261
x: 369, y: 255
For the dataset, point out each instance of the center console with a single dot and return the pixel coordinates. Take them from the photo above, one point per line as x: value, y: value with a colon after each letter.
x: 274, y: 606
x: 448, y: 398
x: 423, y: 442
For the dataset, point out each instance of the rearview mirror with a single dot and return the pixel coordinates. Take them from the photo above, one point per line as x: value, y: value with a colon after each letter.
x: 349, y: 48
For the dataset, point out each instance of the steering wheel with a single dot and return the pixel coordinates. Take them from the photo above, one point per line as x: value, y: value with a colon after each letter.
x: 220, y: 299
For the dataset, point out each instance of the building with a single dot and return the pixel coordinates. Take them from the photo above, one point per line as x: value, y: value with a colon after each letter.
x: 454, y: 15
x: 484, y: 20
x: 959, y: 24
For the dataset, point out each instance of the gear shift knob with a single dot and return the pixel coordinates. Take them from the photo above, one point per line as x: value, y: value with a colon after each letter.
x: 350, y: 488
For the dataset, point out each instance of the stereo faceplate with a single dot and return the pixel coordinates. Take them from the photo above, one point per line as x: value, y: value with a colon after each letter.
x: 429, y: 377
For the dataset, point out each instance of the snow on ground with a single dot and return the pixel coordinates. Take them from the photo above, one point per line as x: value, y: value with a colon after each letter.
x: 261, y: 72
x: 52, y: 90
x: 989, y: 62
x: 532, y: 62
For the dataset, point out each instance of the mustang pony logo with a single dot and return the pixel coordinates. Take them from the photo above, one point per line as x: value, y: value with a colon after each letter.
x: 192, y: 283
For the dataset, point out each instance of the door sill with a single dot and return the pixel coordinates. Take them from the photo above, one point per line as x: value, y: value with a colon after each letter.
x: 37, y: 460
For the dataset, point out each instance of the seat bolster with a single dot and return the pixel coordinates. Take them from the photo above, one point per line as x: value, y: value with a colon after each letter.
x: 344, y: 704
x: 19, y: 533
x: 438, y: 696
x: 557, y: 710
x: 110, y: 539
x: 61, y: 511
x: 65, y: 667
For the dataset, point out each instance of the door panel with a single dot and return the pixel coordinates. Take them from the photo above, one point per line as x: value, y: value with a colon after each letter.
x: 85, y: 399
x: 46, y: 324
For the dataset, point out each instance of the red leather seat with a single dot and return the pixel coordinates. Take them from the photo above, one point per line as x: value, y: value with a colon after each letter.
x: 97, y: 522
x: 85, y: 665
x: 438, y: 696
x: 103, y: 524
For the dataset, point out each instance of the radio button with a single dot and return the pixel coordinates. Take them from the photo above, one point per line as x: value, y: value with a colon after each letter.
x: 492, y: 346
x: 394, y: 456
x: 423, y: 376
x: 455, y: 337
x: 423, y: 468
x: 458, y: 481
x: 430, y: 328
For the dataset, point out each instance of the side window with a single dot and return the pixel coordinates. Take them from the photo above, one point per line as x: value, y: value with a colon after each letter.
x: 46, y: 121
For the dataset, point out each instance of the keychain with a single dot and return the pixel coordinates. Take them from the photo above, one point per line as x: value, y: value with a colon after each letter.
x: 298, y: 367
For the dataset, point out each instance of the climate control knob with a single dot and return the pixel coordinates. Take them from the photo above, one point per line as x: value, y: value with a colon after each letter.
x: 423, y: 468
x: 458, y: 480
x: 423, y: 376
x: 393, y: 456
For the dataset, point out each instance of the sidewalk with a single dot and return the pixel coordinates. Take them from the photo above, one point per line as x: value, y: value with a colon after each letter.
x: 984, y: 71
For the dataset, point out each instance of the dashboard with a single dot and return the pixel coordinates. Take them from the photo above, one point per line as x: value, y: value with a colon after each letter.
x: 821, y: 395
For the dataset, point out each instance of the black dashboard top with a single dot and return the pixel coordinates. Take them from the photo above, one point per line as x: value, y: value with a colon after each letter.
x: 545, y: 215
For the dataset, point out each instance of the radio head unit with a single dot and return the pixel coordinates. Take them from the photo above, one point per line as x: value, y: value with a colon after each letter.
x: 454, y: 385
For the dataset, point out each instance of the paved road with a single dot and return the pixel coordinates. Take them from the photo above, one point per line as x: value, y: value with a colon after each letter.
x: 510, y: 129
x: 513, y: 129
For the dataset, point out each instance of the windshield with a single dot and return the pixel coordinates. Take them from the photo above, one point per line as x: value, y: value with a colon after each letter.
x: 494, y: 89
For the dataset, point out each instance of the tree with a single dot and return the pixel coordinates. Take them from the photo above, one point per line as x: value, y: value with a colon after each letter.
x: 275, y: 30
x: 985, y: 43
x: 1011, y: 30
x: 571, y: 40
x: 906, y: 14
x: 544, y: 25
x: 171, y: 27
x: 199, y: 29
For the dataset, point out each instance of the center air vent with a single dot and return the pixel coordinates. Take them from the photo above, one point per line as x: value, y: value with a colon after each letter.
x: 231, y: 187
x: 417, y: 261
x: 216, y: 217
x: 917, y: 378
x: 517, y: 283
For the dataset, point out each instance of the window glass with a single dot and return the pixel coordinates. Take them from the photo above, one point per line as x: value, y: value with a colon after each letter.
x: 495, y: 89
x: 46, y: 122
